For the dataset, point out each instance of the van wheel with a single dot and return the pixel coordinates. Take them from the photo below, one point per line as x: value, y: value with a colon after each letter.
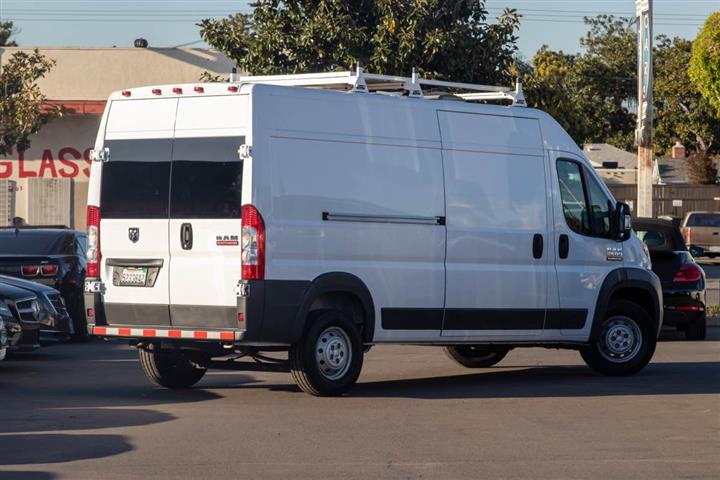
x: 327, y: 360
x: 626, y: 342
x: 472, y: 356
x: 169, y: 369
x: 696, y: 330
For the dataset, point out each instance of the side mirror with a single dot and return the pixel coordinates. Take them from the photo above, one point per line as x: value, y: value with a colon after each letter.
x: 697, y: 251
x: 622, y: 220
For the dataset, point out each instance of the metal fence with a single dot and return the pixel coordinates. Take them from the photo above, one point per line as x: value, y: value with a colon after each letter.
x: 675, y: 200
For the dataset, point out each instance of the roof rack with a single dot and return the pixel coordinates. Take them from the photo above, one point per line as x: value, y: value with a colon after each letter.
x: 359, y: 81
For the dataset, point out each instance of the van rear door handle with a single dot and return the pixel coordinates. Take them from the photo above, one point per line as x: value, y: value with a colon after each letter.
x: 563, y: 246
x: 186, y: 236
x: 537, y: 245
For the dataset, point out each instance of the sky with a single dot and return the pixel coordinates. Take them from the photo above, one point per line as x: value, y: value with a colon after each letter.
x: 171, y: 23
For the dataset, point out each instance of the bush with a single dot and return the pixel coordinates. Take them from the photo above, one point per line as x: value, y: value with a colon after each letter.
x: 701, y: 168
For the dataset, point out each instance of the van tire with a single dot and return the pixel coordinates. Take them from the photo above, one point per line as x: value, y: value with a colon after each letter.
x: 169, y: 369
x: 696, y: 330
x: 472, y: 356
x: 624, y: 320
x: 335, y: 329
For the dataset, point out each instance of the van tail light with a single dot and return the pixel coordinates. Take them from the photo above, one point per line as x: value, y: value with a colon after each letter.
x: 30, y: 270
x: 252, y: 254
x: 93, y: 248
x: 688, y: 236
x: 688, y: 273
x: 48, y: 270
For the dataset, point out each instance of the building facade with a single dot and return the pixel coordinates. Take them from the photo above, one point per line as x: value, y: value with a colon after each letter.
x: 47, y: 184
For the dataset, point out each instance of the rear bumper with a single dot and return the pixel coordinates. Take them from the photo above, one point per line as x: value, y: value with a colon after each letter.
x: 266, y: 313
x: 683, y: 306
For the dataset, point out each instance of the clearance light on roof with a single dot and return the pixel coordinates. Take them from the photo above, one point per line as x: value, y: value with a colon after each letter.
x: 177, y: 90
x: 156, y: 91
x: 233, y: 88
x: 126, y: 93
x: 199, y: 89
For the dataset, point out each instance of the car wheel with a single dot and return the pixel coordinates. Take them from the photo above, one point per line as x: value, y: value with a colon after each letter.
x: 169, y: 369
x: 472, y: 356
x: 626, y: 342
x: 328, y: 359
x: 697, y: 329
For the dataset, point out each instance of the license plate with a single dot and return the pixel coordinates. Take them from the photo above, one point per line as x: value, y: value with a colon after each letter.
x: 133, y: 276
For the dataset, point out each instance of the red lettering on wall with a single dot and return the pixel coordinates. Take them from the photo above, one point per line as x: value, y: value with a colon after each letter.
x: 22, y: 172
x: 86, y: 156
x: 47, y: 163
x: 74, y: 169
x: 7, y: 167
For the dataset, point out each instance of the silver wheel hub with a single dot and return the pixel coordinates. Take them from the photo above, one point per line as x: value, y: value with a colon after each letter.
x: 333, y: 353
x: 620, y: 340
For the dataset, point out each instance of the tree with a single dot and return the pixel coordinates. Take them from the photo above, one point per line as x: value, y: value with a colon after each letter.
x: 682, y: 113
x: 701, y: 168
x: 447, y: 39
x: 21, y: 102
x: 7, y: 30
x: 705, y: 62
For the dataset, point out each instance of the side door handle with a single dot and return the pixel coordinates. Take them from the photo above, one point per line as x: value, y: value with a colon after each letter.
x: 537, y: 245
x: 563, y: 246
x: 186, y: 236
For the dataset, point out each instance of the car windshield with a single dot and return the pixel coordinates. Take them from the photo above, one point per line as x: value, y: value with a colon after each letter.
x: 704, y: 220
x: 26, y: 242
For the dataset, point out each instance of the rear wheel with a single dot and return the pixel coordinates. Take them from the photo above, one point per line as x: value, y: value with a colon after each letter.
x: 697, y: 329
x: 169, y: 369
x: 328, y: 359
x: 471, y: 356
x: 626, y: 342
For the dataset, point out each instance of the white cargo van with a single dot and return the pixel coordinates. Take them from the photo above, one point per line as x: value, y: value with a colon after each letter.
x: 267, y: 216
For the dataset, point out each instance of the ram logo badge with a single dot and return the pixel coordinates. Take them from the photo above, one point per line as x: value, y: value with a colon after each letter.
x: 227, y: 240
x: 134, y: 234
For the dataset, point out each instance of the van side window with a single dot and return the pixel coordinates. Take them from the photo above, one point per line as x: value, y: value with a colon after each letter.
x: 572, y: 194
x: 599, y: 208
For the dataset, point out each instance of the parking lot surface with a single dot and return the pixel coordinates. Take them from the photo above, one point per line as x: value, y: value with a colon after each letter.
x: 85, y: 411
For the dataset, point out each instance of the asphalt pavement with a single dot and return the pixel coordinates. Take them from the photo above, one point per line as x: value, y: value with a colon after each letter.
x: 86, y: 412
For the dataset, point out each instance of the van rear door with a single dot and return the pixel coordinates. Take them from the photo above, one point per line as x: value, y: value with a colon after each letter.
x: 205, y: 203
x: 134, y: 205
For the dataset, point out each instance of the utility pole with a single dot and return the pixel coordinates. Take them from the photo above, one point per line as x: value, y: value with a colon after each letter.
x: 643, y: 134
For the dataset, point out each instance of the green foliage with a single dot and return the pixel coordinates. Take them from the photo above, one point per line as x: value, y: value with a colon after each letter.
x: 7, y: 30
x: 682, y: 113
x: 21, y: 102
x: 705, y: 61
x: 447, y: 39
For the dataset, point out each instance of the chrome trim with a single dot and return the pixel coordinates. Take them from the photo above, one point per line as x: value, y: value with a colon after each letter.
x: 403, y: 219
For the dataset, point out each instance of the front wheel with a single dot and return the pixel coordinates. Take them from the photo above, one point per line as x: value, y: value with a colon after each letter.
x: 169, y: 369
x: 327, y: 360
x: 626, y: 342
x: 475, y: 356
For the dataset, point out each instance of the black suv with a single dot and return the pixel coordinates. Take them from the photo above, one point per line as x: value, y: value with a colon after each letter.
x: 53, y: 256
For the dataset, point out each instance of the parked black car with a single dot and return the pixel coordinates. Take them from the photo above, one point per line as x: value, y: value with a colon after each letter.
x: 52, y: 256
x: 683, y: 281
x: 6, y: 323
x: 23, y: 326
x: 55, y: 322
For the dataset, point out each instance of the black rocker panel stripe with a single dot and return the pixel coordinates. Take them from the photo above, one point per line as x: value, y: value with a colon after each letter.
x: 481, y: 319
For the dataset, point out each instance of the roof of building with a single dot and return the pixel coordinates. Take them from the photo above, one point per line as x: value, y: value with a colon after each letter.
x: 672, y: 170
x: 598, y: 153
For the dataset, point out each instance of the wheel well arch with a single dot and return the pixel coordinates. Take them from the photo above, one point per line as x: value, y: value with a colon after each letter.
x: 635, y: 285
x: 341, y: 291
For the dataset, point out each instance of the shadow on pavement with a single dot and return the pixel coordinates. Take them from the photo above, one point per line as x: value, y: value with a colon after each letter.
x: 17, y: 475
x: 656, y: 379
x: 55, y: 419
x: 59, y: 448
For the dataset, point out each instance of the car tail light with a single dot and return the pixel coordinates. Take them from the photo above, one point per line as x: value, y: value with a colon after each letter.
x: 48, y: 270
x: 93, y: 248
x: 30, y: 270
x: 252, y: 253
x: 688, y: 235
x: 688, y: 273
x: 232, y: 88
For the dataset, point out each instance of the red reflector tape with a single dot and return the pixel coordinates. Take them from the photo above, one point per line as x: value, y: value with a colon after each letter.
x: 123, y: 331
x: 174, y: 333
x: 99, y: 330
x: 162, y: 333
x: 200, y: 334
x: 227, y: 336
x: 149, y: 333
